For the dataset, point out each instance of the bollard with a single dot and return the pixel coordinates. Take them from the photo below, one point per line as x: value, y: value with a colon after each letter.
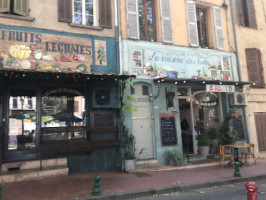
x: 237, y: 170
x: 96, y: 190
x: 252, y: 188
x: 0, y: 192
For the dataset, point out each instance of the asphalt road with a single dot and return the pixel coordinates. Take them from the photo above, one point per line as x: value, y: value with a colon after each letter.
x: 226, y: 192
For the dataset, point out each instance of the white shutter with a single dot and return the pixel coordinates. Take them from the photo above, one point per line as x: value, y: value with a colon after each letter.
x: 132, y: 19
x: 219, y: 33
x: 166, y: 21
x: 192, y: 23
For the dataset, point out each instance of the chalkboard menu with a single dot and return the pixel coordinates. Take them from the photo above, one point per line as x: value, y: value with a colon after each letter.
x: 237, y: 126
x: 168, y: 130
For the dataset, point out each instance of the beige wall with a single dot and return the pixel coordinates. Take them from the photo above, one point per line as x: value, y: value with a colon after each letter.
x: 179, y: 22
x: 253, y: 38
x: 46, y: 17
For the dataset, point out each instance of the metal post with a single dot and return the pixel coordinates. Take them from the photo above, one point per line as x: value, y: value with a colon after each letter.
x: 96, y: 190
x: 252, y: 188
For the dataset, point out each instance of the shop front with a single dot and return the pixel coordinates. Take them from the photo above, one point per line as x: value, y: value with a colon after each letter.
x: 59, y: 88
x: 191, y: 93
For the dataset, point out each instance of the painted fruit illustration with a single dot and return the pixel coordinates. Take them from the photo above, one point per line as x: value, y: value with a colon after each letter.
x: 25, y: 64
x: 20, y: 51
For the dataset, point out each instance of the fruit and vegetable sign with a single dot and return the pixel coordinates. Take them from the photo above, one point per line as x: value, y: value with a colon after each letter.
x: 183, y: 64
x: 45, y: 52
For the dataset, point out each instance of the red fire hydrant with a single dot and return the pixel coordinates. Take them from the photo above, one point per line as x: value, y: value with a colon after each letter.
x: 252, y: 188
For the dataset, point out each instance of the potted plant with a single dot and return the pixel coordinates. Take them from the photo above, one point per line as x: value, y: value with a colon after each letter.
x: 226, y: 135
x: 203, y: 142
x: 173, y: 158
x: 213, y: 139
x: 128, y: 146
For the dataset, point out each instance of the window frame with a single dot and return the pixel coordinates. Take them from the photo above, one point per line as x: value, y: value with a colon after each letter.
x: 95, y: 13
x: 146, y: 21
x: 247, y: 14
x: 199, y: 26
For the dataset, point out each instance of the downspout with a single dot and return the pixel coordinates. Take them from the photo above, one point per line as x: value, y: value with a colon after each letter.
x: 119, y: 62
x: 238, y: 66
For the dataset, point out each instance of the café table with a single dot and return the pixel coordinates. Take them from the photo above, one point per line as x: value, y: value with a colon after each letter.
x: 236, y: 147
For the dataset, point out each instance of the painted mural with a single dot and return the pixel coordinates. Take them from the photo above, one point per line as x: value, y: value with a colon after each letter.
x: 149, y: 63
x: 46, y: 52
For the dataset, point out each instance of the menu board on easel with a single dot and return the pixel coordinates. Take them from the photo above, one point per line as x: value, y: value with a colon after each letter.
x: 168, y: 129
x: 237, y: 126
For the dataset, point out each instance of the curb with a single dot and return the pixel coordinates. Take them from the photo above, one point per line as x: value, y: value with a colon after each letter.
x: 175, y: 188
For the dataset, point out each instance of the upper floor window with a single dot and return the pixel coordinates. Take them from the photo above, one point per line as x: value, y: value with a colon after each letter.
x: 202, y: 27
x: 15, y: 7
x: 95, y: 13
x: 15, y: 102
x: 146, y: 20
x: 198, y: 19
x: 85, y: 12
x: 255, y: 70
x: 247, y: 13
x: 29, y: 102
x: 141, y: 20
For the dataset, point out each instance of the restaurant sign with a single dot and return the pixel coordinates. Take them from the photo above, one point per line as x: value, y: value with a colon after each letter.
x: 24, y: 50
x: 220, y: 88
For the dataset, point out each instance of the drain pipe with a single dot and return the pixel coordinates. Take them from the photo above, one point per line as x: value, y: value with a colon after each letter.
x: 238, y: 65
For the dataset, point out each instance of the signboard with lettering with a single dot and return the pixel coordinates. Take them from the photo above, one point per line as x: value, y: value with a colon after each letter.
x: 168, y: 129
x: 24, y: 50
x: 180, y: 63
x: 220, y: 88
x: 237, y: 126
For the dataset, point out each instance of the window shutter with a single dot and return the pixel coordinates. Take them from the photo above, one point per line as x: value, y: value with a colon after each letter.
x: 241, y: 13
x: 251, y: 14
x: 65, y: 11
x: 132, y: 19
x: 254, y: 67
x: 4, y: 5
x: 105, y: 10
x: 166, y: 21
x: 260, y: 121
x: 219, y: 32
x: 21, y: 7
x: 192, y: 24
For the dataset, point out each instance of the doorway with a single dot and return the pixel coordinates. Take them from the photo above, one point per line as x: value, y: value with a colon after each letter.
x: 142, y: 122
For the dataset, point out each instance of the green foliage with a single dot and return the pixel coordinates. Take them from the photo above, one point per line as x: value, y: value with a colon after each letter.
x: 226, y: 135
x: 127, y: 100
x: 203, y: 140
x: 168, y: 155
x: 128, y: 144
x: 212, y: 133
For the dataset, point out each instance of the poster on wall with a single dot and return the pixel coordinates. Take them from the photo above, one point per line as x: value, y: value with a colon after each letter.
x: 181, y: 64
x: 23, y: 50
x: 168, y: 129
x: 100, y: 53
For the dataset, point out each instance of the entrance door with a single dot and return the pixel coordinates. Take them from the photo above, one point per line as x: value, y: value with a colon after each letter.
x: 142, y: 123
x: 260, y: 121
x: 20, y: 140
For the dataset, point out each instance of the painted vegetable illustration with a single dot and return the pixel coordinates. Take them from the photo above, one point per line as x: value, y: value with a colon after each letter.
x: 81, y: 68
x: 20, y: 51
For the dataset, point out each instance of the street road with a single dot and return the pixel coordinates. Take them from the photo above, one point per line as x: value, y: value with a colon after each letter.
x: 226, y: 192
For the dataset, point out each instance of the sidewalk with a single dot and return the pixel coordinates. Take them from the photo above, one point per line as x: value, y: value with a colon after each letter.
x: 121, y: 185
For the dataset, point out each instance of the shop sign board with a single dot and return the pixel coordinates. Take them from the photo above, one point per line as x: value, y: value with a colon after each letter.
x: 181, y: 63
x: 37, y: 51
x: 220, y: 88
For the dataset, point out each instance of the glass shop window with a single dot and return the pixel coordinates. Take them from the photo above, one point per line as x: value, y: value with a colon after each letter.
x: 63, y: 107
x: 205, y: 111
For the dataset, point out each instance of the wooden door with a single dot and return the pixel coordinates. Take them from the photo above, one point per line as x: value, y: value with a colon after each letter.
x: 142, y: 123
x: 260, y: 121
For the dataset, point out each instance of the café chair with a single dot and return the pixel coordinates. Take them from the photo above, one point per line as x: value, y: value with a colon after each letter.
x: 224, y: 155
x: 249, y: 154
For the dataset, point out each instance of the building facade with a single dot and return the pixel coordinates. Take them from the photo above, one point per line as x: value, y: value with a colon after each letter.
x: 249, y: 22
x: 60, y: 81
x: 187, y: 79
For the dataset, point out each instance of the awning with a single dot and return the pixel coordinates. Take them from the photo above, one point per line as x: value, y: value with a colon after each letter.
x: 30, y: 74
x: 201, y: 81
